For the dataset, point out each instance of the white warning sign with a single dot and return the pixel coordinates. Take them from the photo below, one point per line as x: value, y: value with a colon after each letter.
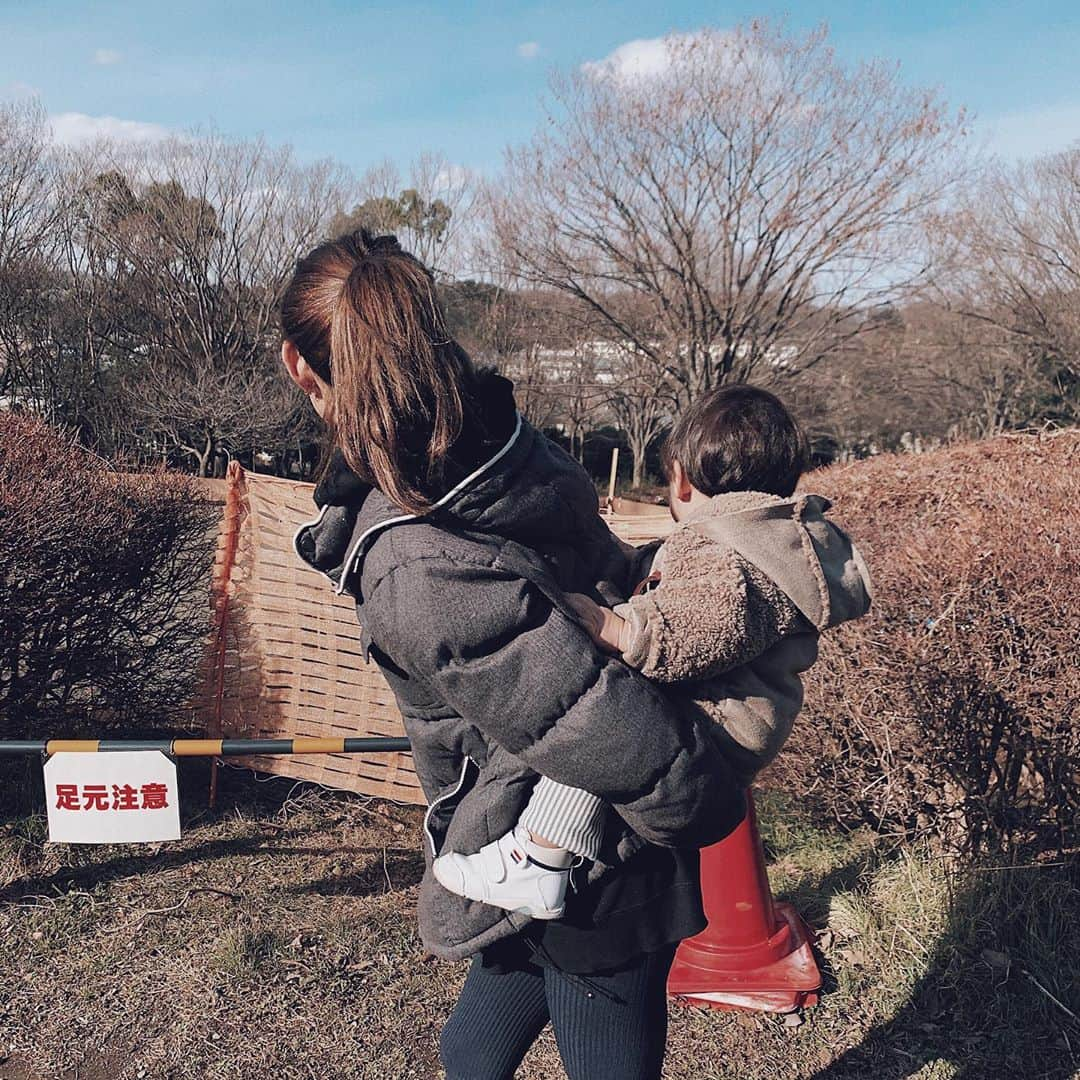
x: 121, y: 797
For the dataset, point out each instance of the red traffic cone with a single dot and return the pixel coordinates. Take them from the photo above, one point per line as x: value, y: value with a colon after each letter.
x: 754, y: 954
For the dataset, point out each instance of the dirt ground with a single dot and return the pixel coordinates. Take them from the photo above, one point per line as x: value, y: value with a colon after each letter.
x: 278, y: 938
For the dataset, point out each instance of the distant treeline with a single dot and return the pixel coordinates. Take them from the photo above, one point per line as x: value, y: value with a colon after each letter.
x: 752, y: 210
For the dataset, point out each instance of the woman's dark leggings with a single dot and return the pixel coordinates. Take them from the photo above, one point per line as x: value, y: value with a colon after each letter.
x: 608, y: 1027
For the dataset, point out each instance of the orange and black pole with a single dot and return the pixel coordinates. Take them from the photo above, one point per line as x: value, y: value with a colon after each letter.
x: 209, y: 747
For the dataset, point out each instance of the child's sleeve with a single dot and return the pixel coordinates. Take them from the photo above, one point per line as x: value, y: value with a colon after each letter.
x: 467, y: 630
x: 711, y: 612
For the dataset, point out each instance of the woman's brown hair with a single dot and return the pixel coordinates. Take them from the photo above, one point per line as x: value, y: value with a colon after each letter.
x: 365, y: 317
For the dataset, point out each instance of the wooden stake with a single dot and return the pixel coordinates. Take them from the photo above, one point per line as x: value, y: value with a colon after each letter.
x: 614, y: 476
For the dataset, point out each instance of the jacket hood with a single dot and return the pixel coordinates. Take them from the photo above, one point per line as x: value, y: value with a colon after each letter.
x: 790, y: 540
x: 509, y: 480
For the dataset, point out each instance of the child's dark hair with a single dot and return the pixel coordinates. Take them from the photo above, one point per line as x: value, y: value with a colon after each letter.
x: 738, y: 438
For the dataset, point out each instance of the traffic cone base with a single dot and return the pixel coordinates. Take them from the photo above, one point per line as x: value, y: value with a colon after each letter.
x: 754, y: 953
x: 784, y: 983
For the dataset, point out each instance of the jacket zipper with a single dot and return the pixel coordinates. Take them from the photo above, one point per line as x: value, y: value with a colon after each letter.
x: 442, y: 798
x: 354, y: 552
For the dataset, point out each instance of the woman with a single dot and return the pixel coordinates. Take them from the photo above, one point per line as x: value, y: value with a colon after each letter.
x: 458, y: 528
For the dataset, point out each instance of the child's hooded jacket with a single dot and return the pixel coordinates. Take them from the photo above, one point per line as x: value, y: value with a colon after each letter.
x: 746, y: 585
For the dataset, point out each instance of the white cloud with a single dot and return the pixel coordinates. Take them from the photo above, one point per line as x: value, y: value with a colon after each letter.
x: 78, y: 129
x: 451, y: 177
x: 529, y: 50
x: 634, y: 61
x: 1027, y: 133
x: 105, y: 57
x: 708, y: 57
x: 18, y: 91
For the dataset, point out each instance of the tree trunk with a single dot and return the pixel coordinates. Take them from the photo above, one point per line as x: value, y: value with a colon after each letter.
x: 206, y: 456
x: 637, y: 452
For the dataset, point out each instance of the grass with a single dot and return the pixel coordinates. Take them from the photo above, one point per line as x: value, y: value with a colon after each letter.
x: 278, y: 937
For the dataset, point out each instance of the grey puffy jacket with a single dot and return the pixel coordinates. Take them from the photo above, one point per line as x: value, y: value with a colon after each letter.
x: 463, y: 610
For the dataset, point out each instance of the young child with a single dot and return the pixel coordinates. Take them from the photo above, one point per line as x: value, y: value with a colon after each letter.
x: 729, y: 616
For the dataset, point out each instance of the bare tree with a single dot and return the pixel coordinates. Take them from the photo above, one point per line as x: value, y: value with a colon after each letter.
x: 904, y: 385
x: 574, y: 365
x: 201, y: 236
x: 514, y: 331
x: 641, y: 404
x: 27, y: 250
x: 1014, y: 255
x: 533, y: 389
x: 737, y: 210
x: 430, y: 213
x: 26, y: 205
x: 580, y: 394
x: 208, y: 409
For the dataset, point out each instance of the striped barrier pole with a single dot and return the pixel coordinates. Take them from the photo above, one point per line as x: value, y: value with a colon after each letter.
x: 208, y: 747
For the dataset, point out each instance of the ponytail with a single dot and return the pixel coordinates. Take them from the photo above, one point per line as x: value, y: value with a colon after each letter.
x: 364, y: 314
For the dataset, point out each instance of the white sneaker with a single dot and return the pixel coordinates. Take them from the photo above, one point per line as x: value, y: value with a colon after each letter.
x: 512, y: 873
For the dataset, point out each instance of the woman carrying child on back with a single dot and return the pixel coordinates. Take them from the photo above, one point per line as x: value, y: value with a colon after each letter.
x: 460, y: 531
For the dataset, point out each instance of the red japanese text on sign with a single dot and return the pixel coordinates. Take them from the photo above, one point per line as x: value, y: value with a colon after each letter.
x: 84, y: 797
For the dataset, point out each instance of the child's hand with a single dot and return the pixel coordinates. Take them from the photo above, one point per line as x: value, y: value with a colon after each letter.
x: 603, y: 625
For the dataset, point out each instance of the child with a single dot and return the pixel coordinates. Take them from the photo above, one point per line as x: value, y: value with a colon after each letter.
x: 729, y: 616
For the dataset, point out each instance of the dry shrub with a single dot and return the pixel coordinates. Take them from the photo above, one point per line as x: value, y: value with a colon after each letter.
x: 103, y: 589
x: 953, y: 708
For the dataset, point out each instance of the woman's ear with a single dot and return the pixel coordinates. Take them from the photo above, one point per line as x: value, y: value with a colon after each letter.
x: 301, y: 373
x: 294, y: 364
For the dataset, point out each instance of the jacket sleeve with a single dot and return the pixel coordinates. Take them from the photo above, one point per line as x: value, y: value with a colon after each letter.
x: 710, y: 613
x: 494, y: 647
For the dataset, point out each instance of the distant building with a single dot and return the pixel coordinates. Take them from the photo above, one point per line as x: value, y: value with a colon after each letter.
x: 607, y: 357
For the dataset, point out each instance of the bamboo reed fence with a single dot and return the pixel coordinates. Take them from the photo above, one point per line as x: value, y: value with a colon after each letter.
x: 285, y: 659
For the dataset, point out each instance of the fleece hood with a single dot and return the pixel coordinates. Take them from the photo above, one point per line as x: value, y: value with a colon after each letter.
x: 790, y: 540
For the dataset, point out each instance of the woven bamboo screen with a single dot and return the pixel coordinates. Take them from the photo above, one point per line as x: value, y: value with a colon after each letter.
x: 286, y: 659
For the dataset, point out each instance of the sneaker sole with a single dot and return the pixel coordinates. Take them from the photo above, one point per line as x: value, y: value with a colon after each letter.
x: 547, y: 916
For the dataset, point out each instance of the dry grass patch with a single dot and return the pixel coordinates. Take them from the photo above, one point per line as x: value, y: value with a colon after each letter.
x: 280, y: 938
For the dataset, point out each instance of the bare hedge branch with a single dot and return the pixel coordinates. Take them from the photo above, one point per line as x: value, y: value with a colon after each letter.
x: 104, y: 589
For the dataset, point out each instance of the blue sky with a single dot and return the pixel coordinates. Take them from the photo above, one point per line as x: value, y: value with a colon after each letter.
x: 362, y: 82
